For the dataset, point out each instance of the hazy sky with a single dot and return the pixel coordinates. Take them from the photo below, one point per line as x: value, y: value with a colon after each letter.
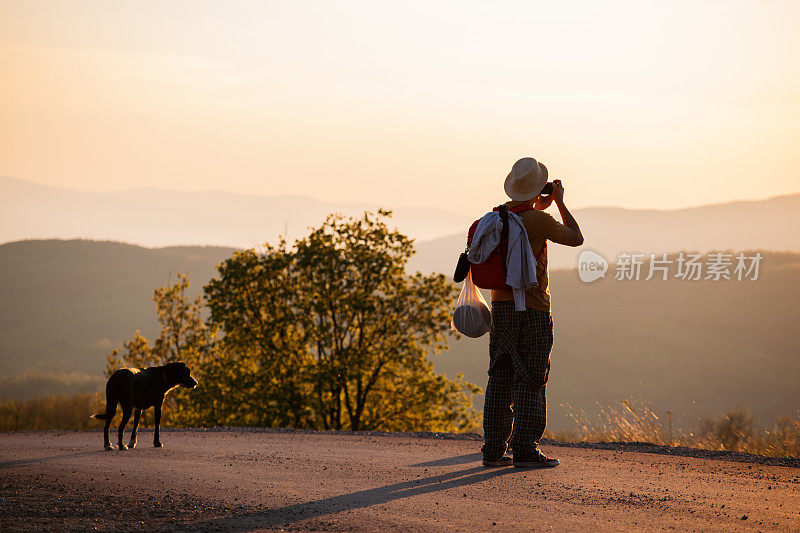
x: 640, y: 104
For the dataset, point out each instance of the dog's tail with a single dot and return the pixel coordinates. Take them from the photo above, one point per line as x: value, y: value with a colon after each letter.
x: 101, y: 416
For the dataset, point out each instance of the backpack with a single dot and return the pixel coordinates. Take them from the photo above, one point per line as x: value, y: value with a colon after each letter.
x: 491, y: 274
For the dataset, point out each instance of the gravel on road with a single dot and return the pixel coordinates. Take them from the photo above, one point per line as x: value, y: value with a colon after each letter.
x: 244, y: 480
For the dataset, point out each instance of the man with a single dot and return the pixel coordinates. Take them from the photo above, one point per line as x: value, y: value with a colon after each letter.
x: 520, y: 341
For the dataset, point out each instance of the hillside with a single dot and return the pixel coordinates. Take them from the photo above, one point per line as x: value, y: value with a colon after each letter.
x: 761, y: 224
x: 696, y: 348
x: 65, y: 304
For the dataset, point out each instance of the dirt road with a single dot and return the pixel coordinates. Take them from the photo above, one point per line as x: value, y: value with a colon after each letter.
x: 246, y: 480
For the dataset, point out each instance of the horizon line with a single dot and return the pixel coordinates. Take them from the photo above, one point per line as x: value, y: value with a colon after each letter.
x: 360, y: 203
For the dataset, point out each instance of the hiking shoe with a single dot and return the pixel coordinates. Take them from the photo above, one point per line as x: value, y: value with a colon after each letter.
x: 502, y: 461
x: 534, y: 460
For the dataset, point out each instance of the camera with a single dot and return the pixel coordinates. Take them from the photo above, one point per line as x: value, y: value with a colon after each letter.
x: 548, y: 188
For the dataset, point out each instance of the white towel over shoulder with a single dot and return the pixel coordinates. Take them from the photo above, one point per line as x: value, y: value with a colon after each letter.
x: 520, y: 261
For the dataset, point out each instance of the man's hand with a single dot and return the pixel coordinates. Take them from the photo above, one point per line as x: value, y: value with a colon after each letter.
x: 543, y: 202
x: 558, y: 192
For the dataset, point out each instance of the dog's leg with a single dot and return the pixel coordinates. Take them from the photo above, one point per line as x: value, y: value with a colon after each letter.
x: 126, y: 415
x: 111, y: 412
x: 136, y: 414
x: 157, y: 423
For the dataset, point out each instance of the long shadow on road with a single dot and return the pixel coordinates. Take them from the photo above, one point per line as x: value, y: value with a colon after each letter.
x: 453, y: 461
x: 25, y: 462
x: 283, y: 516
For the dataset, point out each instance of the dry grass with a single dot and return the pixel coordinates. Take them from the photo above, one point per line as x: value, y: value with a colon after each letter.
x: 50, y: 412
x: 633, y: 421
x: 630, y: 421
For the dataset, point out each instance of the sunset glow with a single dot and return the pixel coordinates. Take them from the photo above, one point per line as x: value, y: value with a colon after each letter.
x: 633, y: 104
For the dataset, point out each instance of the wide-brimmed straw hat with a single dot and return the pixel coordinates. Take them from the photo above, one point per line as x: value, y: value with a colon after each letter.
x: 526, y: 179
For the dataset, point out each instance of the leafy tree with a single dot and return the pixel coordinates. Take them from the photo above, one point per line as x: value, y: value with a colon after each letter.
x: 371, y: 327
x: 329, y: 333
x: 336, y: 335
x: 263, y: 356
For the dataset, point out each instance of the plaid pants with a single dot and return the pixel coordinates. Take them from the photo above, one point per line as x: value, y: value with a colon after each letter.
x: 519, y: 364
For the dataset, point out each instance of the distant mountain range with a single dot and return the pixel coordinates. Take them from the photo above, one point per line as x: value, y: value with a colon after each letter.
x: 153, y: 217
x: 760, y: 224
x: 693, y: 347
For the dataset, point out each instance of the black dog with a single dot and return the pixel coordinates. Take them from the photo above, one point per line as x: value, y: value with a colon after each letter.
x: 141, y: 388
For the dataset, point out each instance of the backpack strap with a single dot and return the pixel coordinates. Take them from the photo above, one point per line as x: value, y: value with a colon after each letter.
x: 503, y: 211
